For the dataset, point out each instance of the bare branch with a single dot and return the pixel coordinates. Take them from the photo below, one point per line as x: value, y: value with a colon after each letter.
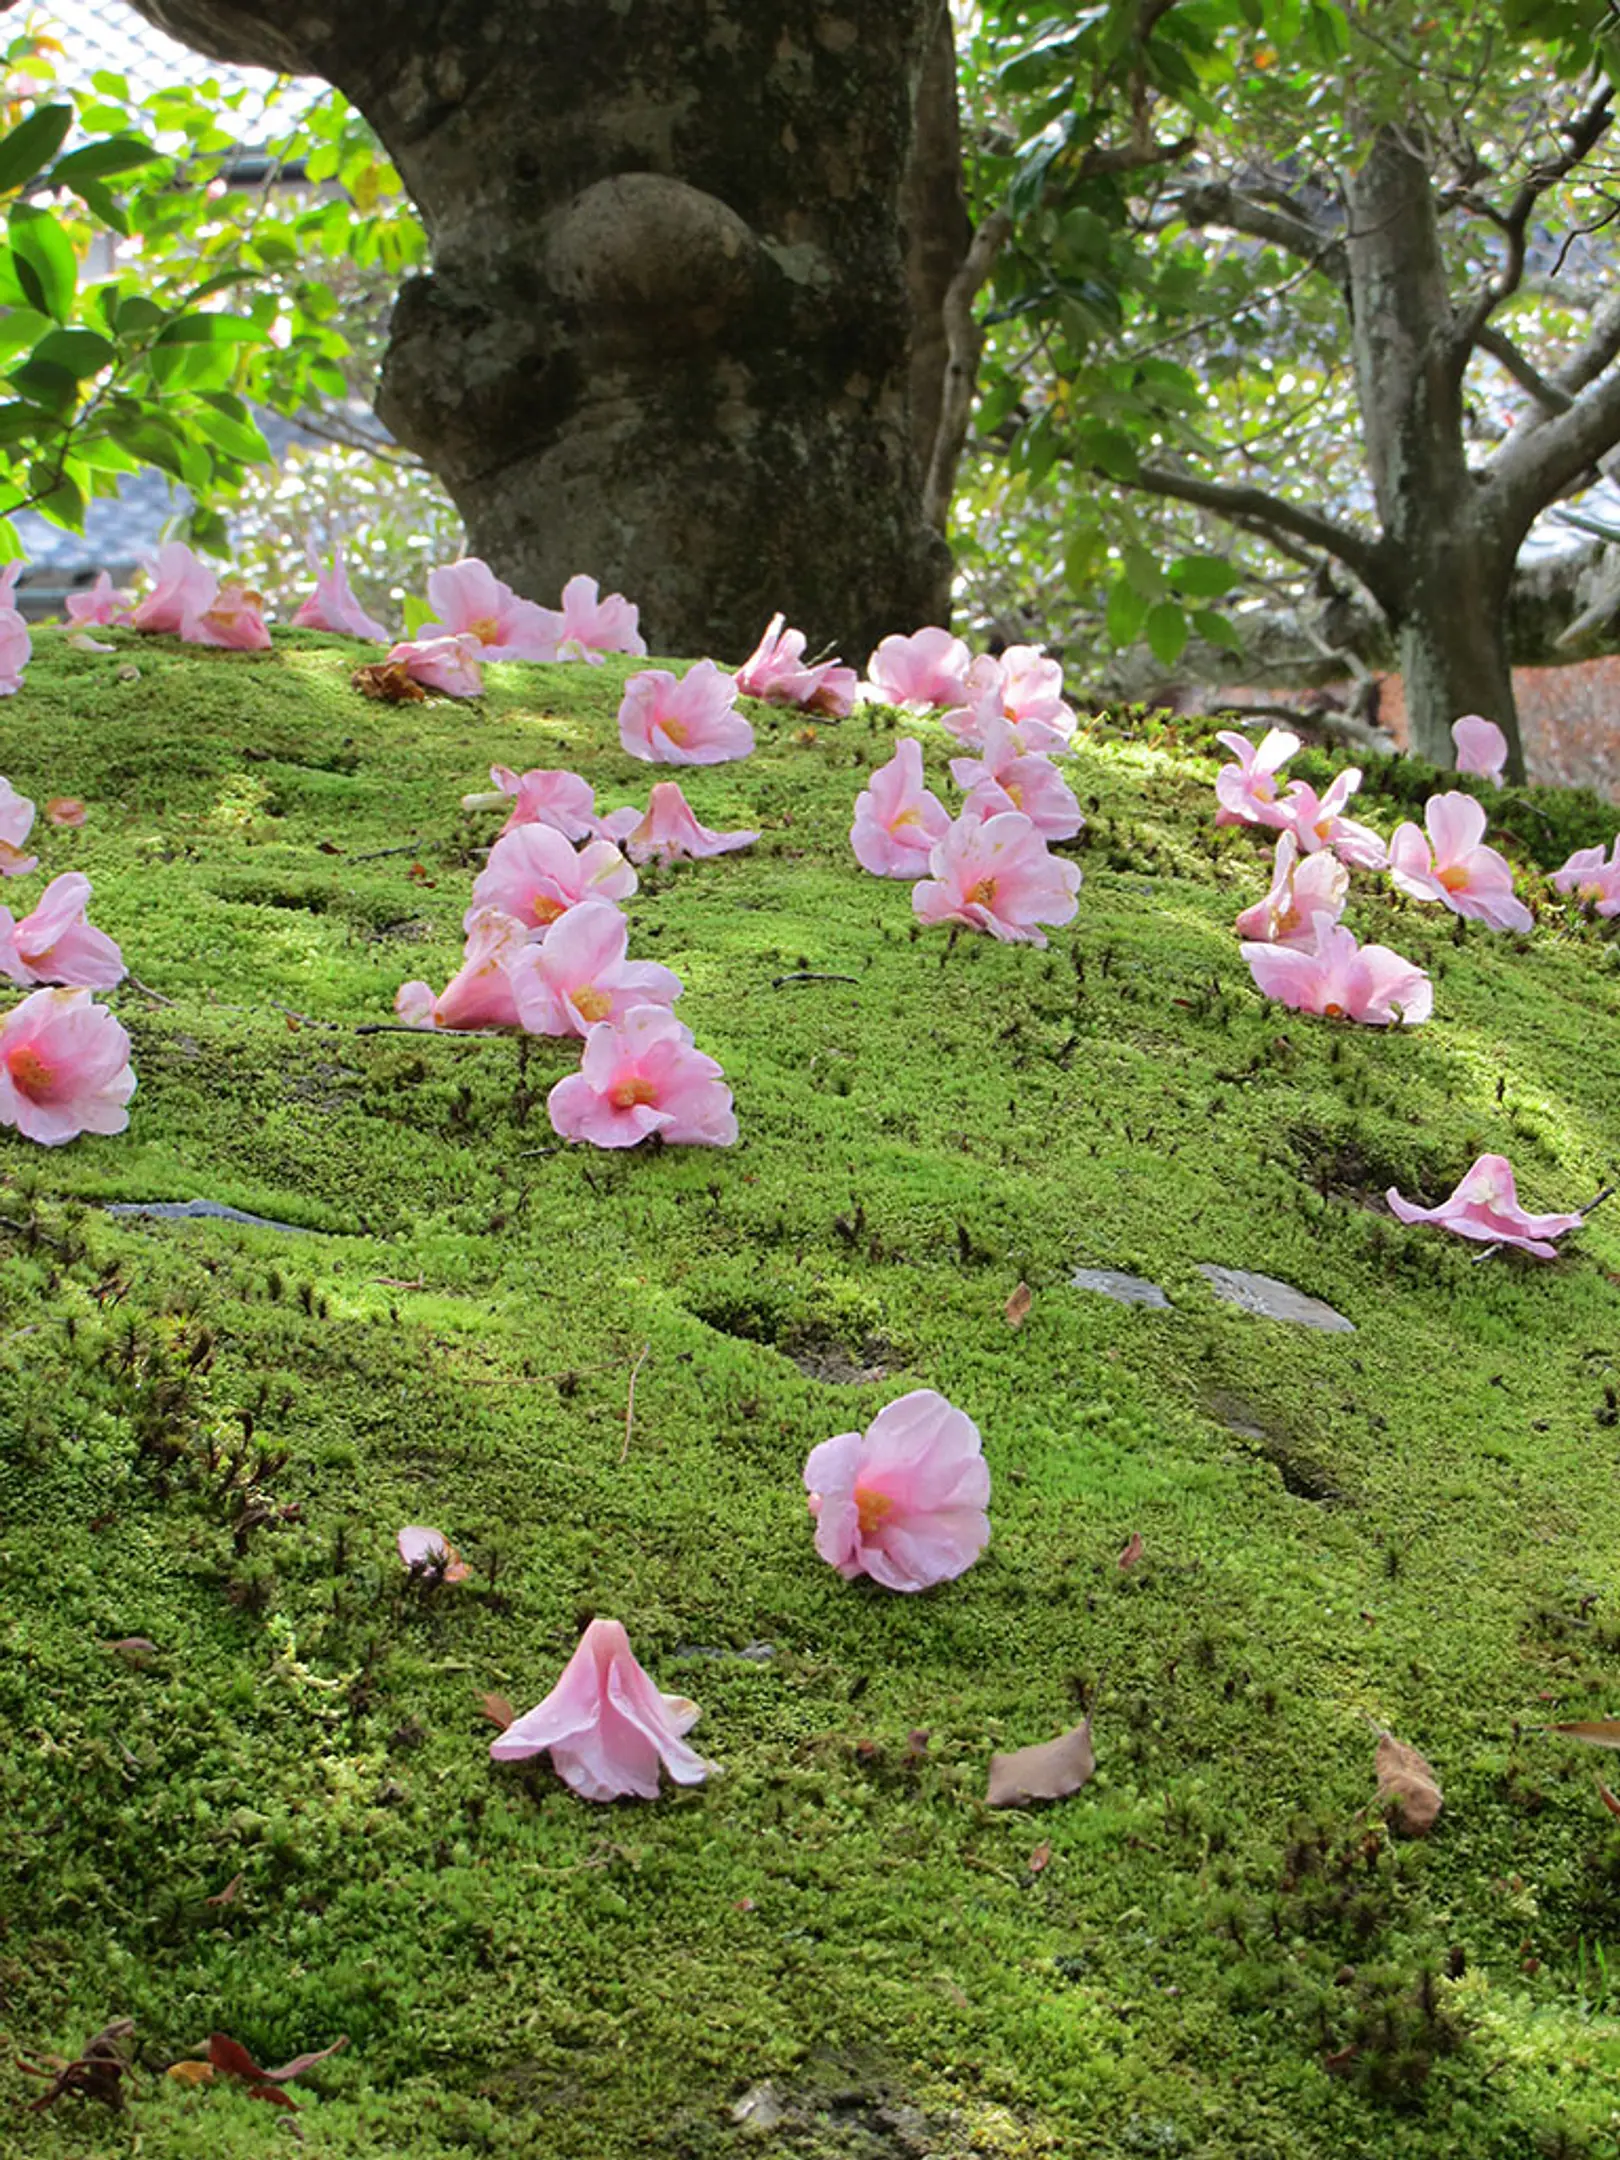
x: 964, y: 341
x: 1581, y: 135
x: 1216, y: 202
x: 1537, y: 462
x: 1364, y: 556
x: 1502, y: 348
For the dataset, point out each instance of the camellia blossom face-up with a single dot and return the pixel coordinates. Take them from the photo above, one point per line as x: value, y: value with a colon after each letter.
x: 1454, y: 866
x: 578, y: 974
x: 469, y: 600
x: 545, y: 796
x: 1485, y: 1207
x: 606, y: 1727
x: 1300, y: 891
x: 1318, y: 821
x: 898, y: 820
x: 643, y: 1075
x: 1027, y: 703
x: 537, y: 875
x: 905, y: 1501
x: 1341, y: 980
x: 689, y: 720
x: 1005, y: 778
x: 996, y: 874
x: 64, y: 1068
x: 1590, y: 878
x: 55, y: 943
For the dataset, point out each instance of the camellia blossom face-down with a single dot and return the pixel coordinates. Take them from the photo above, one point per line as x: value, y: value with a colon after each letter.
x: 64, y: 1068
x: 448, y: 664
x: 543, y: 796
x: 234, y: 618
x: 55, y: 944
x: 479, y: 994
x: 606, y: 1727
x: 669, y: 830
x: 1341, y: 980
x: 898, y: 820
x: 101, y: 603
x: 578, y: 974
x: 692, y: 720
x: 1468, y: 877
x: 332, y: 605
x: 536, y: 875
x: 996, y: 874
x: 642, y: 1075
x: 1481, y: 746
x: 1318, y: 821
x: 16, y: 823
x: 905, y: 1501
x: 589, y: 626
x: 1300, y: 891
x: 1589, y: 877
x: 925, y: 671
x: 1485, y: 1207
x: 775, y: 671
x: 182, y: 587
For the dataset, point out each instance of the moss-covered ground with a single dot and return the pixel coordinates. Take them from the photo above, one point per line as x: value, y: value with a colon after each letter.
x: 281, y: 1821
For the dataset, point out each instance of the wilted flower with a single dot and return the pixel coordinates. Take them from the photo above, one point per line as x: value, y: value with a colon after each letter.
x: 431, y: 1552
x: 449, y: 664
x: 16, y: 822
x: 776, y: 672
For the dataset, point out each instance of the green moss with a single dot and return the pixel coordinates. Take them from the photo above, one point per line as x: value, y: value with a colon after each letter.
x: 209, y: 1434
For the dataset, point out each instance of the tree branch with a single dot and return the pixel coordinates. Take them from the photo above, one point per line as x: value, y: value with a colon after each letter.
x: 1538, y: 462
x: 1365, y: 557
x: 1216, y: 202
x: 964, y: 341
x: 1581, y: 135
x: 1502, y: 348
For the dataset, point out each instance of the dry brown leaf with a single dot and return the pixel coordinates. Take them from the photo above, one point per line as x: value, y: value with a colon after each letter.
x: 137, y: 1651
x: 388, y: 680
x: 1407, y: 1786
x: 1596, y: 1732
x: 1050, y: 1770
x: 1017, y: 1306
x: 1041, y: 1858
x: 497, y: 1709
x: 1608, y: 1799
x: 190, y: 2073
x: 1134, y: 1549
x: 227, y: 1896
x: 98, y: 2073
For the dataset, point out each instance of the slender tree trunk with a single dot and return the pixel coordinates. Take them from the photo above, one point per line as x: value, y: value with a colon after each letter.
x: 668, y: 337
x: 1449, y: 561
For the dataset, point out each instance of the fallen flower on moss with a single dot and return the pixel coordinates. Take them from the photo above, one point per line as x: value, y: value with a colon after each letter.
x: 578, y: 974
x: 64, y: 1068
x: 332, y: 605
x: 469, y: 601
x: 1485, y: 1207
x: 1452, y: 865
x: 1300, y: 891
x: 1341, y: 980
x: 689, y: 720
x: 1006, y: 777
x: 1318, y: 821
x: 641, y: 1075
x: 56, y: 944
x: 903, y: 1502
x: 1588, y: 877
x: 65, y: 810
x: 479, y: 994
x: 449, y: 664
x: 670, y: 831
x: 102, y: 604
x: 589, y: 626
x: 898, y: 818
x: 922, y: 672
x: 545, y: 795
x: 775, y: 671
x: 1246, y: 793
x: 537, y: 875
x: 997, y: 874
x: 16, y: 822
x: 429, y: 1552
x: 606, y: 1726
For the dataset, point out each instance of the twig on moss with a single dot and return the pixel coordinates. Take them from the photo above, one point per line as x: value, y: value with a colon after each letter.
x: 630, y: 1402
x: 429, y: 1034
x: 808, y: 975
x: 33, y: 1233
x: 134, y: 983
x: 411, y: 847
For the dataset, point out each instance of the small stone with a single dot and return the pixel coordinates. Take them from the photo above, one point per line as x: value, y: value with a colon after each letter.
x: 1270, y: 1299
x: 1123, y: 1289
x: 759, y: 2108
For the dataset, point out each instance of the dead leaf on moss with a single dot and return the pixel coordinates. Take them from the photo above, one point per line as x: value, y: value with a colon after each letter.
x: 1407, y: 1786
x: 1134, y: 1549
x: 98, y: 2072
x: 1017, y: 1306
x: 190, y: 2073
x: 388, y: 680
x: 497, y: 1709
x: 1596, y: 1732
x: 233, y: 2060
x: 1041, y: 1858
x: 1050, y: 1770
x: 137, y: 1651
x: 228, y: 1895
x: 1608, y: 1799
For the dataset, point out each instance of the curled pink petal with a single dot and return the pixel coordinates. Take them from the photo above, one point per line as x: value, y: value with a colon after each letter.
x: 332, y: 605
x: 670, y: 831
x: 1481, y: 747
x: 775, y: 672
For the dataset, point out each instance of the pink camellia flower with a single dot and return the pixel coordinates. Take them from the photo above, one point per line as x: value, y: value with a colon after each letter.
x: 1301, y: 889
x: 670, y: 830
x: 1032, y: 689
x: 1481, y: 747
x: 1340, y: 979
x: 898, y: 821
x: 182, y: 586
x: 1589, y: 877
x: 64, y: 1068
x: 16, y: 645
x: 1247, y: 791
x: 1004, y: 778
x: 903, y: 1502
x: 1037, y: 727
x: 1318, y: 821
x: 469, y: 600
x: 995, y: 874
x: 606, y: 1727
x: 543, y: 796
x: 776, y: 672
x: 1466, y: 876
x: 479, y: 994
x: 641, y: 1075
x: 102, y: 604
x: 233, y: 618
x: 16, y: 822
x: 1485, y: 1207
x: 578, y: 974
x: 429, y: 1550
x: 588, y: 626
x: 332, y: 606
x: 65, y: 810
x: 925, y: 670
x: 534, y: 874
x: 449, y: 664
x: 55, y: 944
x: 693, y: 721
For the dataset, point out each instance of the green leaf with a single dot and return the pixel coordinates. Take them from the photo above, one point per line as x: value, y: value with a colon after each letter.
x: 1109, y: 449
x: 100, y: 160
x: 21, y: 328
x: 18, y: 420
x: 1127, y: 611
x: 1203, y: 577
x: 1080, y: 552
x: 417, y: 611
x: 46, y: 384
x: 82, y: 352
x: 149, y: 437
x: 137, y: 314
x: 62, y: 502
x: 43, y: 258
x: 1166, y: 628
x: 1143, y: 570
x: 203, y: 329
x: 238, y: 438
x: 32, y: 144
x: 1216, y: 629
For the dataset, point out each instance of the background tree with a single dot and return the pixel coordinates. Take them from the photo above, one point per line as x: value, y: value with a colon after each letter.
x: 1407, y: 186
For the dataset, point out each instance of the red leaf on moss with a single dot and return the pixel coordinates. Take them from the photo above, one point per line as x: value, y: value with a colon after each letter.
x: 1134, y: 1549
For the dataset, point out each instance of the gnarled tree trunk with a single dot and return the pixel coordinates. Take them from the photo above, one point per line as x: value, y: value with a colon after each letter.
x: 671, y: 326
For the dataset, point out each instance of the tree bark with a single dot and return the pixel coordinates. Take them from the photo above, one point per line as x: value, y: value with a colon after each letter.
x: 671, y: 329
x: 1445, y: 534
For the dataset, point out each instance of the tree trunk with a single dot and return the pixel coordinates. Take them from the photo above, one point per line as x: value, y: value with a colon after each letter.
x: 667, y: 338
x: 1448, y: 563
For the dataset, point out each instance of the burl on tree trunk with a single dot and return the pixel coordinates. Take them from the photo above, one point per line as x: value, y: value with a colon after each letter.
x: 670, y: 333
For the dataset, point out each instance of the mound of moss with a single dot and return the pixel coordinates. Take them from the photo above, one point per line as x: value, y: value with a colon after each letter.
x: 243, y: 1760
